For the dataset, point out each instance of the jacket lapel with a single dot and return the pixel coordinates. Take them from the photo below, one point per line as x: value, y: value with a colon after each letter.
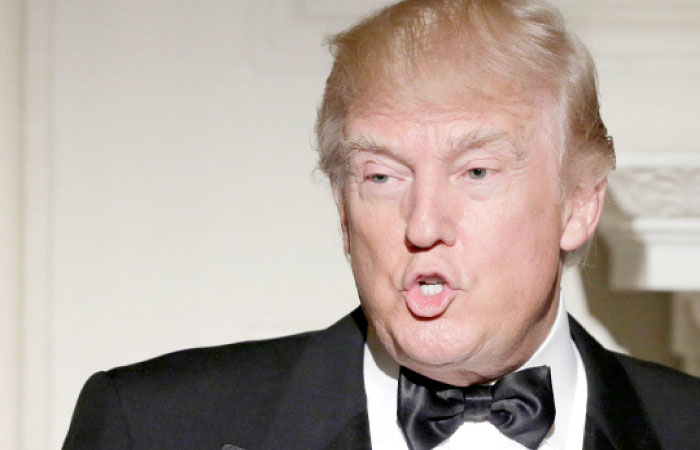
x: 615, y: 418
x: 324, y: 405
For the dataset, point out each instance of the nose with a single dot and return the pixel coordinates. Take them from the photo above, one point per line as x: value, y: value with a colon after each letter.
x: 430, y: 215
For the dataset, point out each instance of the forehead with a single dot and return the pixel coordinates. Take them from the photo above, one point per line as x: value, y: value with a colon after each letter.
x: 486, y: 123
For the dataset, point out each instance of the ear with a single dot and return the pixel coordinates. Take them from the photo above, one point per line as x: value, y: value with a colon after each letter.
x: 339, y: 197
x: 582, y: 212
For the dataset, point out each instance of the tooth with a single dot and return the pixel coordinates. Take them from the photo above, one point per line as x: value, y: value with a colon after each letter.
x: 429, y: 289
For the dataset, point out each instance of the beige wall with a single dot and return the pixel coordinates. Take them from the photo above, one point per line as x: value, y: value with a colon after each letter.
x: 169, y: 193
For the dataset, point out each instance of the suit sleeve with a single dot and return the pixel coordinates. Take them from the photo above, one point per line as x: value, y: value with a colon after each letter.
x: 98, y: 421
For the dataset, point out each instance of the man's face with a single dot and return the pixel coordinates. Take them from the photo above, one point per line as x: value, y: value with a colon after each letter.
x: 453, y: 221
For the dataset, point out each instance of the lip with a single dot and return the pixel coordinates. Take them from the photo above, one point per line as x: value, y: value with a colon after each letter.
x: 431, y: 306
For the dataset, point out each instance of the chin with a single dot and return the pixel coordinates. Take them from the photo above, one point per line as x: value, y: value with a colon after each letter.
x: 436, y: 343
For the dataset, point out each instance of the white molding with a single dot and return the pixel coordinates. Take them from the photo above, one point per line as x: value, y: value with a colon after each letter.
x: 659, y: 184
x: 653, y: 232
x: 661, y: 192
x: 36, y: 268
x: 654, y: 158
x: 655, y: 221
x: 11, y: 29
x: 645, y: 253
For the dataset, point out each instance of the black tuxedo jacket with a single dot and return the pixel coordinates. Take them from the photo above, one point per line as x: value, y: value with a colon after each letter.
x: 306, y: 392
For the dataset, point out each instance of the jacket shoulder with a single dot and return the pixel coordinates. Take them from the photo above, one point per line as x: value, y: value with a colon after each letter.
x: 635, y: 403
x: 670, y: 398
x: 200, y: 398
x: 652, y: 375
x: 185, y: 399
x: 256, y: 360
x: 239, y: 360
x: 228, y: 380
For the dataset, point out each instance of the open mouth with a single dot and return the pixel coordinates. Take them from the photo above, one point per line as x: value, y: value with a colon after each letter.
x: 428, y: 295
x: 429, y: 288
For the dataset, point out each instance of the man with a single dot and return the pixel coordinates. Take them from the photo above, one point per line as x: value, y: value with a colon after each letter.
x: 468, y: 161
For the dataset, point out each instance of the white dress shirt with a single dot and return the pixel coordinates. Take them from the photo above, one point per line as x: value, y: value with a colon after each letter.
x: 568, y: 382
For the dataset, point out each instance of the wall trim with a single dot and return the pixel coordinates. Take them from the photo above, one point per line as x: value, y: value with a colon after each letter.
x: 11, y: 35
x: 653, y: 221
x: 36, y: 367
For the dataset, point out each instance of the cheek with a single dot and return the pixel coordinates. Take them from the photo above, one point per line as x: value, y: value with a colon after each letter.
x: 375, y: 238
x: 520, y: 240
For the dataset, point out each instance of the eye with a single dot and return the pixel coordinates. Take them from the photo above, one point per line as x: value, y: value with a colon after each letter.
x: 378, y: 178
x: 478, y: 173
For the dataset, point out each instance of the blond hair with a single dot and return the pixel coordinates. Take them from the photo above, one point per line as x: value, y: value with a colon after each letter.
x: 497, y: 48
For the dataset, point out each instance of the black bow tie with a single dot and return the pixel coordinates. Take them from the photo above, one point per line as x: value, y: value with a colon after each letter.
x: 520, y: 405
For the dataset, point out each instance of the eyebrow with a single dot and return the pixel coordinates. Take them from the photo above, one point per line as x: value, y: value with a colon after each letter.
x: 468, y: 142
x: 477, y: 140
x: 363, y: 144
